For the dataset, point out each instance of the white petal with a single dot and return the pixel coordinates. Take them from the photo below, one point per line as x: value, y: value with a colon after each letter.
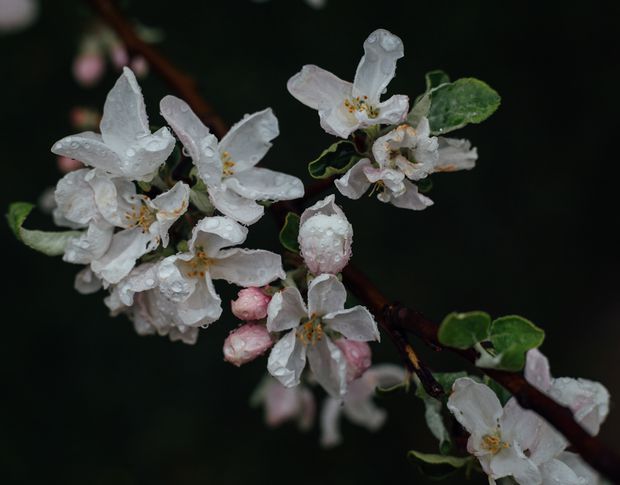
x: 518, y: 424
x: 512, y: 461
x: 588, y: 400
x: 326, y: 294
x: 249, y: 140
x: 89, y: 148
x: 391, y: 178
x: 364, y: 412
x: 91, y: 245
x: 170, y: 206
x: 247, y: 267
x: 203, y: 306
x: 144, y: 157
x: 235, y: 206
x: 287, y: 360
x: 264, y: 184
x: 141, y: 278
x: 329, y: 367
x: 386, y: 375
x: 75, y: 200
x: 475, y: 406
x: 392, y: 111
x: 411, y: 199
x: 318, y: 88
x: 326, y: 206
x: 537, y: 371
x: 455, y: 155
x: 285, y: 310
x: 86, y: 282
x: 354, y: 183
x: 114, y: 197
x: 558, y: 472
x: 126, y: 247
x: 172, y: 282
x: 330, y: 422
x: 547, y: 443
x: 354, y: 323
x: 214, y: 233
x: 124, y: 114
x: 378, y: 65
x: 580, y: 467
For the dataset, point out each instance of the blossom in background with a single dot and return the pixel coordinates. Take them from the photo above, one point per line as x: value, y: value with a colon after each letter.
x: 126, y: 147
x: 228, y: 167
x: 402, y: 156
x: 345, y: 107
x: 17, y: 15
x: 357, y: 405
x: 186, y: 278
x: 283, y: 404
x: 325, y: 237
x: 310, y: 332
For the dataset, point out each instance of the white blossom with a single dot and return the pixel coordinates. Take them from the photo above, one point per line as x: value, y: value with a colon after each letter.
x: 126, y: 147
x: 309, y: 332
x: 228, y: 167
x: 17, y: 14
x: 357, y: 405
x: 345, y: 107
x: 186, y: 278
x: 283, y: 404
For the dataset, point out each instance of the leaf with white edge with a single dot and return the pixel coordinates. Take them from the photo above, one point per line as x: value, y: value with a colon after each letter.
x: 457, y: 104
x: 437, y: 466
x: 464, y: 330
x: 512, y: 336
x: 49, y: 243
x: 336, y: 159
x: 290, y: 232
x: 435, y: 79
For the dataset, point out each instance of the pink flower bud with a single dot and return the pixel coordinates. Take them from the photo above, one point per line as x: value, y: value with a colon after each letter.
x: 119, y: 56
x: 325, y: 237
x: 251, y: 304
x: 66, y: 164
x: 358, y: 356
x: 246, y: 343
x: 139, y: 66
x: 88, y: 68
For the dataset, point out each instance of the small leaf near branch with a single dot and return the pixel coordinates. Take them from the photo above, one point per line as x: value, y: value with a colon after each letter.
x: 336, y: 159
x: 435, y: 79
x: 464, y: 330
x: 49, y: 243
x: 437, y: 466
x: 289, y: 232
x: 512, y: 336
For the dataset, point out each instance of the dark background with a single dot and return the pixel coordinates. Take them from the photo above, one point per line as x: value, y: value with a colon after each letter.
x: 532, y: 230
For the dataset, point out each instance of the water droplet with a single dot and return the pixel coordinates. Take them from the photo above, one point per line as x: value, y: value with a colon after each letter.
x: 130, y: 152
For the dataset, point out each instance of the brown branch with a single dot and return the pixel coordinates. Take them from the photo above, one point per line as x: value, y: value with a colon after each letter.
x: 394, y: 318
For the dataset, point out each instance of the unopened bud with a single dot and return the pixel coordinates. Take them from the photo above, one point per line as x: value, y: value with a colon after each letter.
x: 251, y: 304
x: 246, y: 343
x: 88, y: 68
x: 358, y: 356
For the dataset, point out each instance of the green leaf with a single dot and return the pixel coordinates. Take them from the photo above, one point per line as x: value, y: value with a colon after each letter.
x: 437, y: 466
x: 436, y: 78
x: 464, y: 330
x: 457, y: 104
x: 512, y: 336
x: 289, y: 232
x: 199, y: 196
x: 446, y: 379
x: 337, y: 159
x: 50, y: 243
x: 425, y: 185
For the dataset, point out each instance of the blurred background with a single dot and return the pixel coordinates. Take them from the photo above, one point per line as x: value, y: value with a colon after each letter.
x: 532, y: 230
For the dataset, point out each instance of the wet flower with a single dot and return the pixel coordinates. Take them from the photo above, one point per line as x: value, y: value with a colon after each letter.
x: 246, y: 343
x: 251, y: 304
x: 358, y: 356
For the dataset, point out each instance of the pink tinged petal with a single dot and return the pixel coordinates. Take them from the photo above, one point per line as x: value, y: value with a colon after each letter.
x: 66, y: 164
x: 318, y: 88
x: 201, y: 145
x: 355, y: 323
x: 364, y: 412
x: 125, y: 249
x: 519, y: 425
x: 358, y: 356
x: 247, y: 267
x: 308, y: 409
x: 558, y: 472
x: 354, y: 183
x: 89, y: 148
x: 287, y: 360
x: 91, y: 245
x: 378, y: 65
x: 411, y: 199
x: 88, y: 68
x: 214, y: 233
x: 246, y: 343
x: 326, y: 294
x: 588, y: 400
x: 285, y: 310
x: 475, y: 406
x: 283, y: 404
x: 124, y: 114
x: 455, y: 154
x: 202, y: 307
x: 251, y: 304
x: 249, y: 140
x: 75, y: 200
x: 86, y: 282
x: 329, y: 367
x: 264, y: 184
x: 330, y: 422
x: 235, y: 206
x: 512, y: 461
x: 537, y: 371
x: 170, y: 206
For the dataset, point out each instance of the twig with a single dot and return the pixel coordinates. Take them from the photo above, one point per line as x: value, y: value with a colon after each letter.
x: 394, y: 318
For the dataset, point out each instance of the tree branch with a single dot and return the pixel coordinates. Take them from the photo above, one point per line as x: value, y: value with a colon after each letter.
x: 395, y: 319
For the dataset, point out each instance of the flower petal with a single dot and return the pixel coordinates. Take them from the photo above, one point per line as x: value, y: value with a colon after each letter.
x: 329, y: 367
x: 319, y: 89
x: 475, y: 406
x: 89, y: 148
x: 326, y: 294
x: 263, y: 184
x: 411, y: 198
x: 144, y: 157
x: 287, y: 360
x: 172, y: 282
x: 326, y: 206
x: 364, y: 412
x: 378, y: 65
x: 285, y: 310
x: 75, y: 200
x: 588, y: 400
x: 124, y: 114
x: 202, y: 307
x: 512, y: 461
x: 537, y: 370
x: 556, y: 471
x: 247, y: 267
x: 518, y: 424
x: 91, y: 245
x: 214, y: 233
x: 354, y: 183
x: 330, y: 422
x: 170, y: 206
x: 455, y: 154
x: 392, y: 111
x: 141, y: 278
x: 86, y: 282
x: 355, y: 323
x: 249, y: 140
x: 125, y: 249
x: 235, y: 206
